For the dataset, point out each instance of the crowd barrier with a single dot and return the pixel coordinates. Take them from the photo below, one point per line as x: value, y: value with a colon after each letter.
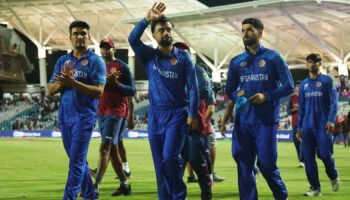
x: 282, y: 135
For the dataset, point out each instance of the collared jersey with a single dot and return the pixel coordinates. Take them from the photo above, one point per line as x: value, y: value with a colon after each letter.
x: 266, y: 72
x: 114, y: 100
x: 318, y: 102
x: 74, y: 106
x: 169, y: 75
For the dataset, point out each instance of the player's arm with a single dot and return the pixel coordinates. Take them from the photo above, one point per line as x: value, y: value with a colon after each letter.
x: 52, y: 86
x: 301, y: 110
x: 231, y: 92
x: 98, y: 75
x: 193, y: 93
x: 131, y: 124
x: 333, y: 107
x: 127, y: 85
x: 285, y: 77
x: 228, y: 112
x: 143, y: 51
x: 211, y: 105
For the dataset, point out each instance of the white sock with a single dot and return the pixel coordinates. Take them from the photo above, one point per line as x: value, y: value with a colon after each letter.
x: 126, y: 167
x: 211, y: 177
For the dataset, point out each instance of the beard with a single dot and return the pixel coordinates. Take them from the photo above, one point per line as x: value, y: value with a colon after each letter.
x: 249, y: 42
x: 166, y: 42
x: 80, y: 45
x: 313, y: 70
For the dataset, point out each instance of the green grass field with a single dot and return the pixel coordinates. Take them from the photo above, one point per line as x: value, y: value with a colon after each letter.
x: 37, y: 169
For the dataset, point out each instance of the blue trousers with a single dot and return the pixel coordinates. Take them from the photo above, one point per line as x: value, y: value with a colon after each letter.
x: 166, y: 137
x: 196, y: 151
x: 76, y: 138
x: 317, y: 140
x: 251, y: 141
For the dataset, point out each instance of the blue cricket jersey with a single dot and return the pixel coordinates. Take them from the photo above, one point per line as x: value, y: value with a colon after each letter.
x: 75, y: 106
x: 204, y: 85
x: 169, y: 76
x: 266, y: 72
x: 318, y: 102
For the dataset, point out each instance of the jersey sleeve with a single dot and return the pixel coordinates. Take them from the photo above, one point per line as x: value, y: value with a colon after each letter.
x: 126, y: 85
x: 142, y: 51
x: 333, y: 99
x: 98, y: 74
x: 232, y: 81
x: 192, y: 86
x: 301, y: 106
x: 285, y: 78
x: 56, y: 71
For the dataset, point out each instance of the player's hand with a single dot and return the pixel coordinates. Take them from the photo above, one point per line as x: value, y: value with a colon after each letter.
x: 223, y: 129
x: 112, y: 78
x: 192, y: 124
x: 298, y: 135
x: 258, y: 98
x: 66, y: 78
x: 131, y: 123
x: 330, y: 127
x: 156, y: 11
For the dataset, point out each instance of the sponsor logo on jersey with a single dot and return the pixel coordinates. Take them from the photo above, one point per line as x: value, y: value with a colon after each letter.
x: 173, y: 61
x: 306, y: 85
x: 318, y: 84
x: 262, y: 63
x: 84, y: 62
x: 243, y: 64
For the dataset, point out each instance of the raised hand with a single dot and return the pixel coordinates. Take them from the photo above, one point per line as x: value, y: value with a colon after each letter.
x: 156, y: 11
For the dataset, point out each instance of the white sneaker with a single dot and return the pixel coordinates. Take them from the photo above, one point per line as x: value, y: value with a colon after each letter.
x: 335, y: 184
x: 301, y: 165
x: 313, y: 192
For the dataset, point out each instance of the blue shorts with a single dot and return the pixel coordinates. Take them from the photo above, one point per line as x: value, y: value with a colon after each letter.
x: 111, y: 128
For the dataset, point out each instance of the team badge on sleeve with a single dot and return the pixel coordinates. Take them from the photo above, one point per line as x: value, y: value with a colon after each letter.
x: 262, y: 63
x: 84, y: 62
x: 173, y: 61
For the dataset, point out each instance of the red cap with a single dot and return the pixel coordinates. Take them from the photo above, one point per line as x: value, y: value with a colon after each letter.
x: 107, y: 41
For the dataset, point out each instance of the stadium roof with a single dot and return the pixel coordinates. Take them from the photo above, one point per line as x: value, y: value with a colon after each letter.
x: 295, y: 28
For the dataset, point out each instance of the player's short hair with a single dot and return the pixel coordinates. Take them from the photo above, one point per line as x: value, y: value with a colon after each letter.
x: 255, y: 22
x: 161, y: 20
x: 314, y: 57
x: 297, y: 82
x: 80, y: 24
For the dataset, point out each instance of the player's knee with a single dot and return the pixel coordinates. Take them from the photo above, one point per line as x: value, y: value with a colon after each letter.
x: 104, y: 149
x: 324, y: 156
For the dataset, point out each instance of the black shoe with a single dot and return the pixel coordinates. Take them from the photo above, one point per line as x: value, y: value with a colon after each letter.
x: 127, y: 175
x: 123, y: 190
x: 192, y: 179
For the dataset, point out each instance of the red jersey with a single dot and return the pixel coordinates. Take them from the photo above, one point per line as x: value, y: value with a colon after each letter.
x: 114, y: 100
